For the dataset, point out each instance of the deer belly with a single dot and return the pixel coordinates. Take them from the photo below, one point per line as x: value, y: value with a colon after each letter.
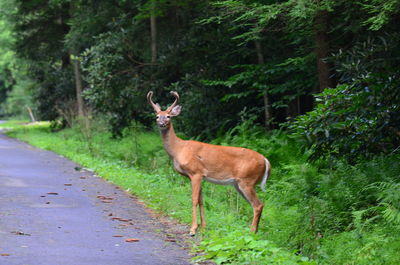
x: 230, y: 181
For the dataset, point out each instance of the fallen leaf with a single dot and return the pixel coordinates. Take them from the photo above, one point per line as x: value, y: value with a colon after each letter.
x: 20, y: 233
x: 170, y: 240
x: 104, y: 197
x: 121, y: 219
x: 130, y: 240
x: 67, y: 184
x: 83, y: 177
x: 52, y: 193
x: 4, y: 254
x: 118, y: 236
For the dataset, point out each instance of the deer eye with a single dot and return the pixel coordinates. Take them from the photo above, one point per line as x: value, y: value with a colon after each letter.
x: 168, y: 116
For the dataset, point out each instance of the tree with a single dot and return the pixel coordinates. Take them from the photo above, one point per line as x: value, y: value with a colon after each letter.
x: 322, y: 49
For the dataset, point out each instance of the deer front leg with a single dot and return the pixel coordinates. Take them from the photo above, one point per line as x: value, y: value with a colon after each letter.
x: 202, y: 217
x: 196, y: 188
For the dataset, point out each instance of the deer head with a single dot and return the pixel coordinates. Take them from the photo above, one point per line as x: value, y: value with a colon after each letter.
x: 164, y: 116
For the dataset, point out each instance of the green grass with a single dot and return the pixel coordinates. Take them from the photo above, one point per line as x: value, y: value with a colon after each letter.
x: 10, y: 124
x: 326, y: 212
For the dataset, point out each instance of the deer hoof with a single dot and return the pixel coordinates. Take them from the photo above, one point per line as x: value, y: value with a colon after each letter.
x: 192, y: 233
x: 253, y: 230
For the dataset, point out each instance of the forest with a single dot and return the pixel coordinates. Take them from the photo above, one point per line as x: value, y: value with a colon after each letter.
x: 314, y: 85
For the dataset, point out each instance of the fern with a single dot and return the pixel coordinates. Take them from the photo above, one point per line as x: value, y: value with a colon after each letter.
x: 389, y: 197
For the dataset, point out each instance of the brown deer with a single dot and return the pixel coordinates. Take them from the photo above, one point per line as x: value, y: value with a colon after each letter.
x: 243, y: 168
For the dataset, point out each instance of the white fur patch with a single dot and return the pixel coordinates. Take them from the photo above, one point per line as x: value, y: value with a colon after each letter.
x: 220, y: 181
x: 266, y: 174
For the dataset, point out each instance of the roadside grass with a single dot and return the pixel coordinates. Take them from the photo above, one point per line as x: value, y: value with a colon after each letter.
x: 10, y: 124
x: 310, y: 214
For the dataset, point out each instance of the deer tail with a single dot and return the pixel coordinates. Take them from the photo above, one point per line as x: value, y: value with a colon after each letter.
x: 266, y: 174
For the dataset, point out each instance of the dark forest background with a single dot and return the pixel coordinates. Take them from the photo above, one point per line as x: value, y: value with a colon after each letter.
x: 269, y: 61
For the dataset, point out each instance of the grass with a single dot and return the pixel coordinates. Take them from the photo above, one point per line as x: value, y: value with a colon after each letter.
x: 321, y: 212
x: 10, y: 124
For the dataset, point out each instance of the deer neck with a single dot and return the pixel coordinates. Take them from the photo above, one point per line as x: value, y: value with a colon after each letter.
x: 171, y: 142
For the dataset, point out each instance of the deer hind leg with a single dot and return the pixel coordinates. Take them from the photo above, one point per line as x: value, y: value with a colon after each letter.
x: 248, y: 192
x: 196, y: 195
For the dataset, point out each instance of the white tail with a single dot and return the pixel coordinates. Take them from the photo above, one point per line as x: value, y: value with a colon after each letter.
x: 266, y: 174
x: 243, y: 168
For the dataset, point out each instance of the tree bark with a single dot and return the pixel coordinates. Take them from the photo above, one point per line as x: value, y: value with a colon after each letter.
x: 76, y: 64
x: 153, y: 32
x: 65, y: 28
x: 267, y: 103
x: 322, y: 50
x: 31, y: 114
x: 82, y: 111
x: 78, y: 87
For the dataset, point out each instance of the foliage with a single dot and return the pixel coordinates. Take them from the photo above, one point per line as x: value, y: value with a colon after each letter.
x: 245, y: 49
x: 6, y: 54
x: 390, y: 201
x: 361, y: 116
x: 382, y: 12
x: 244, y: 248
x: 16, y: 87
x: 104, y: 70
x: 19, y: 99
x: 273, y: 79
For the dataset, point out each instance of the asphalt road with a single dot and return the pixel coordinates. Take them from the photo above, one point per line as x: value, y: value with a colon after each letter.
x: 53, y: 214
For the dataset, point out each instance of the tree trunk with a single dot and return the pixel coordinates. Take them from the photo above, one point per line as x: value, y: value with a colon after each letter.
x: 267, y: 103
x: 82, y: 112
x: 78, y: 87
x: 31, y: 114
x: 153, y: 32
x: 322, y: 50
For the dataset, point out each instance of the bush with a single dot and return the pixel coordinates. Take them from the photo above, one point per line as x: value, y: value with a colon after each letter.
x: 357, y: 120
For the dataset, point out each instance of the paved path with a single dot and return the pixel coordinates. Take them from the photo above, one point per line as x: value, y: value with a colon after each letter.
x: 52, y: 214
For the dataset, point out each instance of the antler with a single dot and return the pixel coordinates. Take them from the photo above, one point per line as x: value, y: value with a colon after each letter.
x: 176, y: 95
x: 156, y: 107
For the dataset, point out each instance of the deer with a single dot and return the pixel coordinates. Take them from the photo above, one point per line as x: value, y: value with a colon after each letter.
x: 225, y: 165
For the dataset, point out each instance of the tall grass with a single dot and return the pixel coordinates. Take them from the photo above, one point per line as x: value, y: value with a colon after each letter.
x: 325, y: 212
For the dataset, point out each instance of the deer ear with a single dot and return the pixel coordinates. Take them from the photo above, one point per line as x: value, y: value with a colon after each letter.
x: 176, y: 111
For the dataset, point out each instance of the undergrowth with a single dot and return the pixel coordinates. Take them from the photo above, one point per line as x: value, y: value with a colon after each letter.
x: 320, y: 212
